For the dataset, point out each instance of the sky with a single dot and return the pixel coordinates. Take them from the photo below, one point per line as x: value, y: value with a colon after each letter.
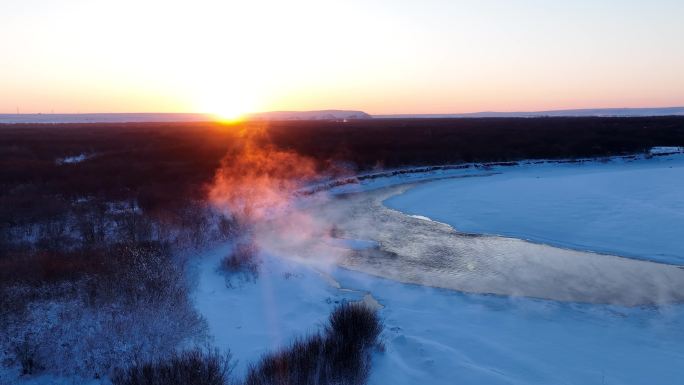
x: 380, y: 56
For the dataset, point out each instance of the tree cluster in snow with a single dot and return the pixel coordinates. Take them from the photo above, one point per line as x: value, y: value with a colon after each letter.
x: 100, y: 323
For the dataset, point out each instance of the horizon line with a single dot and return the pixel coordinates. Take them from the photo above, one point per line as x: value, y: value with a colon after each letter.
x: 355, y: 110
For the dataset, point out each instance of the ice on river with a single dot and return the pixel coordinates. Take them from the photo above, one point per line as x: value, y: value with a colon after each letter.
x: 630, y: 209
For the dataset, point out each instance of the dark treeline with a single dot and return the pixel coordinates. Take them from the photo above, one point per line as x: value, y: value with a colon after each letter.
x: 402, y: 142
x: 157, y: 163
x: 125, y: 161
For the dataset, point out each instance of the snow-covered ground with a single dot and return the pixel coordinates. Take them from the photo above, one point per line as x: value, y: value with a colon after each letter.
x: 254, y: 317
x: 631, y: 209
x: 74, y: 159
x: 438, y: 336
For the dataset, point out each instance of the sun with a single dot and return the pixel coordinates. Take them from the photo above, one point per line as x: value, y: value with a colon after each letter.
x: 227, y: 107
x: 228, y: 110
x: 229, y: 115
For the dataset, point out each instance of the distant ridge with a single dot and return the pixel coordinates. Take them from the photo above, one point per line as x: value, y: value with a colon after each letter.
x: 605, y: 112
x: 309, y: 115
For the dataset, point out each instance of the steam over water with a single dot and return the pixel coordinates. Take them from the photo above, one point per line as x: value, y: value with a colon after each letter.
x: 257, y: 183
x: 415, y: 250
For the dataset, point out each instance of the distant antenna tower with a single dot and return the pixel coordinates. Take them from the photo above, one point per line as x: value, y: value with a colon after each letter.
x: 17, y: 110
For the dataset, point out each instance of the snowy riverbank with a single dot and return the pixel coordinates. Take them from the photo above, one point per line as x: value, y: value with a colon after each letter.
x: 438, y: 336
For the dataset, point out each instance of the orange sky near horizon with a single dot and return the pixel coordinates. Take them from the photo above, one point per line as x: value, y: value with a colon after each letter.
x: 380, y: 56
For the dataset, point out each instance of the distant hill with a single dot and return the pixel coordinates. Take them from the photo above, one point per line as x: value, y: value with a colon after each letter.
x: 607, y: 112
x: 310, y: 115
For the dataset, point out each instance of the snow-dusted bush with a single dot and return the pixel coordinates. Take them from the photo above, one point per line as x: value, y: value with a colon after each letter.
x: 193, y: 367
x: 135, y: 310
x: 70, y: 337
x: 242, y: 262
x: 341, y: 355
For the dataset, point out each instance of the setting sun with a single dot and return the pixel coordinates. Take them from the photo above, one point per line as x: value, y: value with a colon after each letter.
x: 229, y: 115
x: 227, y: 106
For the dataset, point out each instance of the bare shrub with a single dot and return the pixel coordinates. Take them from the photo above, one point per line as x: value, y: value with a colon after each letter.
x: 26, y: 354
x: 356, y: 324
x: 341, y: 355
x: 193, y: 367
x: 227, y: 227
x: 242, y: 262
